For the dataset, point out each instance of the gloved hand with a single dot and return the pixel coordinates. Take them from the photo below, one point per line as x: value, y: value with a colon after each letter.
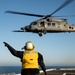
x: 5, y: 44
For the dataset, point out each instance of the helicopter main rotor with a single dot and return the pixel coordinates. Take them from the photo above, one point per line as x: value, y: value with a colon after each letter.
x: 67, y: 2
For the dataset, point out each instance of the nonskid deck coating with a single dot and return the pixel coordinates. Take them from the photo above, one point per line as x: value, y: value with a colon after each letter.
x: 54, y: 71
x: 64, y: 71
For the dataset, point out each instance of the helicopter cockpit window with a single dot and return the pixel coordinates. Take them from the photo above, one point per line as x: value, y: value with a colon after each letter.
x: 53, y: 24
x: 34, y: 23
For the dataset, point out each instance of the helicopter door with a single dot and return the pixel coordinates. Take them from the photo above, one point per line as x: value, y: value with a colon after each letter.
x: 59, y: 26
x: 43, y: 25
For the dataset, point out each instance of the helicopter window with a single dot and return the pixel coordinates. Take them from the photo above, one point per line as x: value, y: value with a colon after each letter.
x: 49, y: 24
x: 53, y: 24
x: 34, y: 23
x: 69, y: 27
x: 42, y: 23
x: 65, y: 25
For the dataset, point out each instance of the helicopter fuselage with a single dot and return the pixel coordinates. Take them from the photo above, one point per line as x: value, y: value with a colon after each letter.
x: 49, y: 25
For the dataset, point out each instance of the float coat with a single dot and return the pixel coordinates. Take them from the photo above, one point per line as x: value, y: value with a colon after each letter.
x: 30, y: 59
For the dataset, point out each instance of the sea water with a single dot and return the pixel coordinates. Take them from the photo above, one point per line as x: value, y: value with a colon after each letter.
x: 10, y: 69
x: 17, y: 69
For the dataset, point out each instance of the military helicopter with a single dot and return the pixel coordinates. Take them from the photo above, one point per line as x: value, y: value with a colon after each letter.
x: 47, y: 24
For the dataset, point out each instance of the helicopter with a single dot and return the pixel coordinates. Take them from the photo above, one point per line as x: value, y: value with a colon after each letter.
x: 47, y: 23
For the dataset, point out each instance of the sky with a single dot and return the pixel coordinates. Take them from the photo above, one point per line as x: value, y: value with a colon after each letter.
x: 56, y: 48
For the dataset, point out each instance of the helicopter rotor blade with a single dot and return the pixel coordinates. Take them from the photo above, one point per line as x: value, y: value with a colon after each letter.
x: 37, y: 15
x: 65, y: 16
x: 62, y: 6
x: 14, y: 12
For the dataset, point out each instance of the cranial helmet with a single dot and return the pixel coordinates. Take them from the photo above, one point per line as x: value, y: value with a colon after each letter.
x: 29, y: 45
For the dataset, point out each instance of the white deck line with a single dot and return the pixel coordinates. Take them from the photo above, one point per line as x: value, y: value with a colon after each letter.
x: 48, y: 70
x: 64, y: 74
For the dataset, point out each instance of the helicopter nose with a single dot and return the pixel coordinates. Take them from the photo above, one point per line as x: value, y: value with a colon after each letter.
x: 28, y: 27
x: 25, y: 28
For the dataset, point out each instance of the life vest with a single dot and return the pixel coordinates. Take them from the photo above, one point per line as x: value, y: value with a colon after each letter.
x: 30, y: 59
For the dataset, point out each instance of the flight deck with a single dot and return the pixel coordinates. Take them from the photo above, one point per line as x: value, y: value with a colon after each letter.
x: 62, y: 71
x: 53, y: 71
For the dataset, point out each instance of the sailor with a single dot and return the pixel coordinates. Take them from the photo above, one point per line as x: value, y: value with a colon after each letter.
x: 30, y: 58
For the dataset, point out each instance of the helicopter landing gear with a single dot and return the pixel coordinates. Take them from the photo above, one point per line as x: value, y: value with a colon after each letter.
x: 44, y: 32
x: 40, y: 34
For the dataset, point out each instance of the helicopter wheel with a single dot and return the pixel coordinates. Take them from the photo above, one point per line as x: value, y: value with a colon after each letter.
x: 44, y: 32
x: 40, y: 34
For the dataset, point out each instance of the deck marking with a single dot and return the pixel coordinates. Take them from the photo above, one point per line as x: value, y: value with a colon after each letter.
x: 64, y: 73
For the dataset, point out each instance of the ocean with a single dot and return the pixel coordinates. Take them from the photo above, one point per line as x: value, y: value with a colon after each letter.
x: 17, y: 69
x: 10, y: 69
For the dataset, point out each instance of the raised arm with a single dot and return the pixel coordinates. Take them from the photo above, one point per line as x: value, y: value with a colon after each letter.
x: 13, y: 51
